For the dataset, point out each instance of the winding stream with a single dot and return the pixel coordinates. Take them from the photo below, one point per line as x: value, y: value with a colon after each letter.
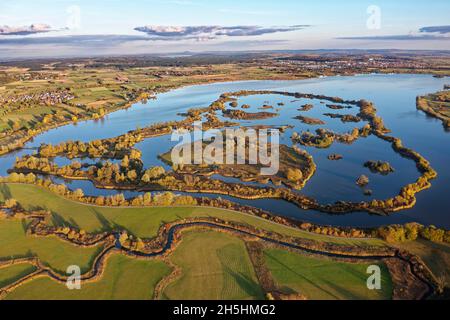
x: 99, y: 263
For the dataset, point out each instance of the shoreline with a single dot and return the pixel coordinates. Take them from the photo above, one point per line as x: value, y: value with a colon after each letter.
x: 200, y: 83
x: 405, y: 199
x: 214, y: 82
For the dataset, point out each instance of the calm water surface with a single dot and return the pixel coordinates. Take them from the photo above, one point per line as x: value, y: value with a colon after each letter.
x: 394, y: 97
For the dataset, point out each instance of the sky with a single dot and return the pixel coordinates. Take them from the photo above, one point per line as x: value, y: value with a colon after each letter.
x: 39, y: 28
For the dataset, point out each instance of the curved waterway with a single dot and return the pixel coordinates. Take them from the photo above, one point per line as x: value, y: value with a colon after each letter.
x: 99, y: 262
x: 394, y: 97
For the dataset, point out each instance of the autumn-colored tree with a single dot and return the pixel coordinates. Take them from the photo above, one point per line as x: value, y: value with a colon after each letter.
x: 132, y: 175
x: 11, y: 203
x: 125, y: 162
x: 433, y: 234
x: 78, y: 193
x: 123, y: 238
x: 154, y: 173
x: 294, y: 174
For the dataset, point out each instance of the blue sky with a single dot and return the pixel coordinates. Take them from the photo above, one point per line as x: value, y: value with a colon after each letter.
x: 331, y: 24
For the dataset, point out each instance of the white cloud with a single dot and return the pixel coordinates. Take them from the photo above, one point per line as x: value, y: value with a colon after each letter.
x: 425, y: 33
x: 25, y: 30
x: 210, y: 32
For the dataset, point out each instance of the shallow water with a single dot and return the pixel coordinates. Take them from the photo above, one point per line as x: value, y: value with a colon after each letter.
x: 394, y: 97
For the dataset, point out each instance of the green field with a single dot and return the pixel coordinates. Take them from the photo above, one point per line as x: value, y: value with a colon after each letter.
x: 214, y: 266
x: 219, y: 260
x: 124, y: 278
x: 142, y: 222
x: 52, y: 251
x: 13, y: 273
x: 321, y: 278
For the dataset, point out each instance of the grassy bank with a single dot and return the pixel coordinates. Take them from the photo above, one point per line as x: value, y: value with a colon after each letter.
x: 124, y: 278
x: 214, y: 266
x: 320, y: 278
x: 11, y: 274
x: 142, y: 222
x: 51, y: 251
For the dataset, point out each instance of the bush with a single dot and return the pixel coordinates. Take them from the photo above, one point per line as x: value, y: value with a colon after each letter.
x: 392, y: 234
x: 10, y: 203
x: 294, y: 174
x: 412, y: 231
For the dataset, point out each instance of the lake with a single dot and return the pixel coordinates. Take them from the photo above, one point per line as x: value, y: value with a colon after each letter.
x: 394, y: 97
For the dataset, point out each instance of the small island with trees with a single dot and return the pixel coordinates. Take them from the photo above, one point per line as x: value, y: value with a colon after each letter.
x: 380, y: 167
